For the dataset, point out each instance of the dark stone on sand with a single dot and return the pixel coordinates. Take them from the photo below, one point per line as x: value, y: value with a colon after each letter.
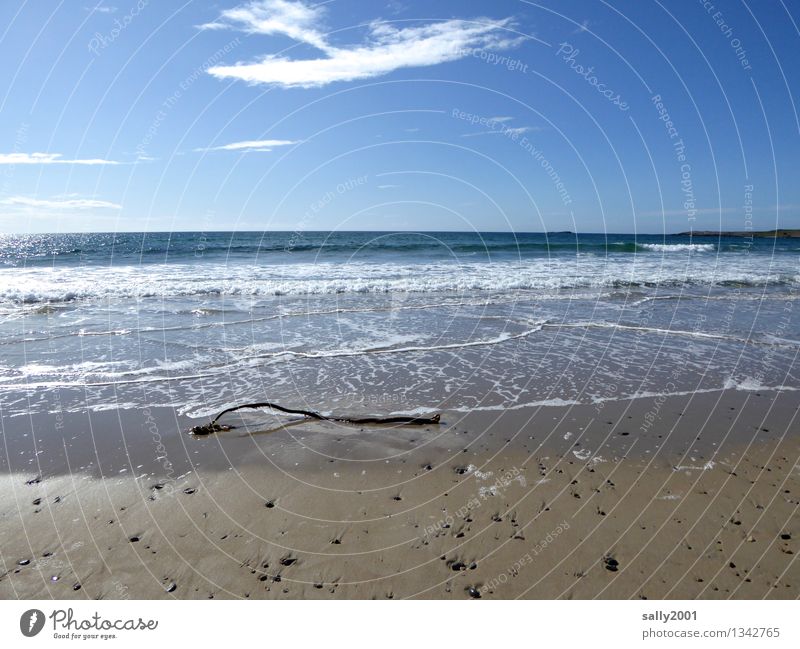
x: 134, y: 539
x: 288, y: 561
x: 76, y: 586
x: 23, y: 562
x: 170, y: 588
x: 473, y: 592
x: 611, y: 564
x: 269, y: 504
x: 33, y: 481
x: 37, y: 502
x: 461, y: 470
x: 786, y: 536
x: 189, y: 491
x: 458, y: 566
x: 396, y: 498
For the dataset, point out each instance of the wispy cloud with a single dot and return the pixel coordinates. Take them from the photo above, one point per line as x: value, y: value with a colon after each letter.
x: 250, y: 145
x: 516, y: 130
x: 385, y: 49
x: 47, y: 159
x: 583, y: 27
x: 297, y: 20
x: 497, y: 126
x: 60, y: 204
x: 101, y: 9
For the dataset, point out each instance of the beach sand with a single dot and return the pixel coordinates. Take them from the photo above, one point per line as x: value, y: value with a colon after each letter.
x: 690, y: 496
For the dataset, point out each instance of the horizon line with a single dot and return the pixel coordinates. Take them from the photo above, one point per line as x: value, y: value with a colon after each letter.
x: 396, y: 231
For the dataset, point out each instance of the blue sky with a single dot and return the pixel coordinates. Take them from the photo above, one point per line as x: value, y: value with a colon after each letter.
x: 129, y: 115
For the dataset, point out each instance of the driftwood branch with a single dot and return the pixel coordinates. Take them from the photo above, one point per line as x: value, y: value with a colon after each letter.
x: 215, y: 427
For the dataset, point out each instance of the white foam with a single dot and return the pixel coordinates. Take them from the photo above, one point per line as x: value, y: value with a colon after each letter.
x: 677, y: 247
x: 549, y: 275
x: 690, y: 467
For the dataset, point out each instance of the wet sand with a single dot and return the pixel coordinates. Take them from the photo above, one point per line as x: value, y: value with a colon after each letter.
x: 661, y: 497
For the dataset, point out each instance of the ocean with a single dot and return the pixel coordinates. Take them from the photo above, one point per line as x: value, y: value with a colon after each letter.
x: 382, y: 322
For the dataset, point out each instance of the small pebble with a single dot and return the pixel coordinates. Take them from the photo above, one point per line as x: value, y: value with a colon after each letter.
x: 473, y: 592
x: 171, y: 587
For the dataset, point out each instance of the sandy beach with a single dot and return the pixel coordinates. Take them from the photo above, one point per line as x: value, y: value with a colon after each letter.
x: 690, y: 496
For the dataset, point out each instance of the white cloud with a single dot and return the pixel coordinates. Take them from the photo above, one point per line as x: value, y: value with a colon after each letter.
x: 60, y: 204
x: 386, y: 48
x: 101, y: 9
x: 521, y: 129
x: 47, y: 159
x: 583, y: 27
x: 296, y: 20
x: 250, y: 145
x: 505, y: 130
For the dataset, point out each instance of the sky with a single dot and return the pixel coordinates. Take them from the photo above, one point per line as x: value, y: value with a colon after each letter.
x: 615, y: 116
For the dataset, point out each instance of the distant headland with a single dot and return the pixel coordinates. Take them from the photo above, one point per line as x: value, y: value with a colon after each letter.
x: 764, y: 234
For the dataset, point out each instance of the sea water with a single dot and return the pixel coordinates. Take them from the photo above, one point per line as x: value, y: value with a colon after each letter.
x: 381, y: 322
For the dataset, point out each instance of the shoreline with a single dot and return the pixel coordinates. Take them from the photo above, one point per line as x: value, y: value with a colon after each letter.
x: 500, y: 503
